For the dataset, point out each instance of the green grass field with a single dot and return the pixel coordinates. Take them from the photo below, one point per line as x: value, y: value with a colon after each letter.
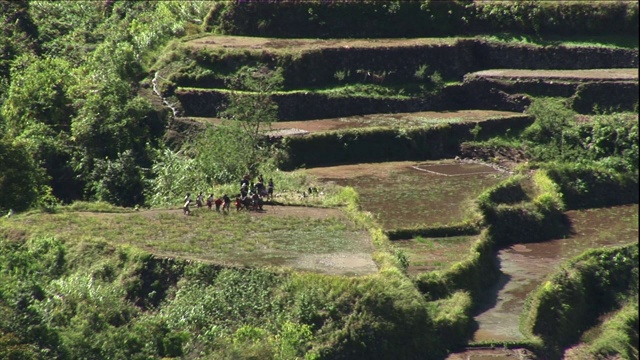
x: 236, y: 238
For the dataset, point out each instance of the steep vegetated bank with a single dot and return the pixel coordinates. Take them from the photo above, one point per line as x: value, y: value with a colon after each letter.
x: 341, y: 78
x: 575, y: 296
x: 329, y: 19
x: 616, y: 335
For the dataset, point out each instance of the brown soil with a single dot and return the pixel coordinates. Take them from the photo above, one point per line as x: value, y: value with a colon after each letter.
x: 492, y: 354
x: 561, y: 75
x: 393, y: 120
x: 382, y: 120
x: 502, y: 157
x: 378, y: 170
x: 257, y: 43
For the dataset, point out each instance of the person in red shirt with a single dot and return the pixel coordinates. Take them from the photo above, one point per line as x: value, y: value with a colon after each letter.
x: 218, y: 203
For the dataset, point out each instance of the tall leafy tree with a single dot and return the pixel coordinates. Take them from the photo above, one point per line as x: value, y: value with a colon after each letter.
x: 18, y: 33
x: 252, y: 107
x: 112, y: 121
x: 222, y: 154
x: 20, y: 177
x: 38, y: 111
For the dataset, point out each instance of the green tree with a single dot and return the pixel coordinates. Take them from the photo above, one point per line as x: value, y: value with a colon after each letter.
x: 18, y: 33
x: 38, y: 94
x: 20, y: 177
x: 222, y: 154
x: 225, y: 153
x: 111, y: 121
x: 38, y: 111
x: 120, y: 181
x: 252, y: 107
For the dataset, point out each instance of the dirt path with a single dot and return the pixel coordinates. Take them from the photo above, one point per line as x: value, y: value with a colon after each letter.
x: 299, y: 211
x: 398, y: 120
x: 259, y: 43
x: 567, y: 75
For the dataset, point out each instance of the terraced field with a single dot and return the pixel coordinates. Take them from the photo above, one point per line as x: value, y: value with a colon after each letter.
x: 422, y: 190
x: 406, y: 194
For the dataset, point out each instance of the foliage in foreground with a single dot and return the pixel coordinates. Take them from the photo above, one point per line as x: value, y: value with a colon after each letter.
x: 619, y: 335
x: 90, y: 299
x: 573, y: 297
x: 69, y: 75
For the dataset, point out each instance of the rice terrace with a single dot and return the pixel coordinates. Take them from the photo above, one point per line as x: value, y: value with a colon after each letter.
x: 439, y: 180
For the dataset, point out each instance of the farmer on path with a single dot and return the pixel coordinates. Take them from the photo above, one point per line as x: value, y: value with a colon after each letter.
x: 199, y: 200
x: 270, y: 189
x: 187, y: 202
x: 226, y: 202
x: 210, y: 201
x: 218, y: 203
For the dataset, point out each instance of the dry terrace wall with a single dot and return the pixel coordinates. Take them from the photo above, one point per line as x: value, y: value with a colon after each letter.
x: 380, y: 144
x: 318, y: 68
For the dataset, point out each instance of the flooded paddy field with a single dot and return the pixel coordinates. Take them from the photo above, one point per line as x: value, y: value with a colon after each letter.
x: 408, y: 194
x: 525, y: 266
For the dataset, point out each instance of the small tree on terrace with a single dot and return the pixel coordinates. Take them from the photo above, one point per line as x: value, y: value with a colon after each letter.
x: 222, y: 154
x: 251, y: 105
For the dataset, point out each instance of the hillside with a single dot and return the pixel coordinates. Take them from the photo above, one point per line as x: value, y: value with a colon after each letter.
x: 453, y: 179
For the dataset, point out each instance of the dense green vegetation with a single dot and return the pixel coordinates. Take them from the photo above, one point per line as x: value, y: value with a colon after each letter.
x: 575, y: 296
x: 72, y: 72
x: 326, y: 19
x: 81, y: 131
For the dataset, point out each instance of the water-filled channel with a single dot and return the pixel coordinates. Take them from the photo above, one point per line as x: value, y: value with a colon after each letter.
x: 524, y: 266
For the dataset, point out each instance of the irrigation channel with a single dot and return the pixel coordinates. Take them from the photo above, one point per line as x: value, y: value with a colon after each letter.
x: 523, y: 266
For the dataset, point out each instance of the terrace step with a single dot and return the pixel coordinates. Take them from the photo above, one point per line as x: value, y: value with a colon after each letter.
x: 379, y: 120
x: 379, y: 137
x: 496, y: 89
x: 615, y: 89
x: 313, y: 71
x: 311, y: 63
x: 569, y: 76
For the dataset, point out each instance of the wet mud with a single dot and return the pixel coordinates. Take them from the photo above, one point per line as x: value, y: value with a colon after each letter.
x: 525, y: 266
x: 404, y: 194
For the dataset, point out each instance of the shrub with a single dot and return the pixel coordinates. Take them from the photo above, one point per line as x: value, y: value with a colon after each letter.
x: 573, y: 297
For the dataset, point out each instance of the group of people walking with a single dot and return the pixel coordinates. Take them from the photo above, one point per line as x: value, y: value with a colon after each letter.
x: 223, y: 202
x: 251, y: 196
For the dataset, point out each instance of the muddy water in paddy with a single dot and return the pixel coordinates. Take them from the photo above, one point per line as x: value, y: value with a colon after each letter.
x: 525, y: 266
x: 406, y: 194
